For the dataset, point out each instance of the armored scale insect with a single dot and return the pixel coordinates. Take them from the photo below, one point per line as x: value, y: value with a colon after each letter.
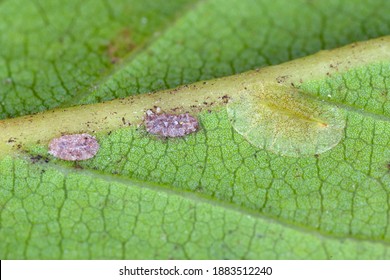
x: 74, y: 147
x: 170, y: 125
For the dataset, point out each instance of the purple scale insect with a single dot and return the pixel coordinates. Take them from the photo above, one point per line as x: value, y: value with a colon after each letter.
x: 74, y: 147
x: 170, y: 125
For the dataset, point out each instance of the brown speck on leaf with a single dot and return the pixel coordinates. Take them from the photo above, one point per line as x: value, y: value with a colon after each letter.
x: 173, y: 91
x: 225, y: 99
x: 125, y: 122
x: 37, y: 158
x: 282, y: 79
x: 175, y: 109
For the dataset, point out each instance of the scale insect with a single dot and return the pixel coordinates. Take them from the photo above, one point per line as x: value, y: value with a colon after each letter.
x: 74, y: 147
x: 286, y: 121
x: 170, y: 125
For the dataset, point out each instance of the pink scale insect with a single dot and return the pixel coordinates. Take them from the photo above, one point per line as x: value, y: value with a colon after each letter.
x: 74, y: 147
x: 170, y: 125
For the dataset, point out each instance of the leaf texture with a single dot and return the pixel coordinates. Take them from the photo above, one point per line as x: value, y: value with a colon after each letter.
x: 211, y: 194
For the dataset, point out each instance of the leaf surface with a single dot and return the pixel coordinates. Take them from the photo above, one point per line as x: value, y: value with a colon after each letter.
x: 212, y: 194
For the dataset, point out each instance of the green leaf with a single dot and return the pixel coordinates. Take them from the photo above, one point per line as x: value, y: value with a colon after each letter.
x: 214, y: 193
x: 52, y: 52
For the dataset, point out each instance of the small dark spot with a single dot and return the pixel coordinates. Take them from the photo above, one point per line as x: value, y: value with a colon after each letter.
x: 225, y: 99
x: 125, y: 122
x: 11, y: 140
x: 36, y: 158
x: 39, y: 158
x: 175, y: 109
x: 282, y: 79
x: 317, y: 156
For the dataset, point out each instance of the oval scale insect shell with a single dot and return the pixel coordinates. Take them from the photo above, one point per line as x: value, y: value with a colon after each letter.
x: 287, y: 121
x: 170, y: 125
x: 74, y: 147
